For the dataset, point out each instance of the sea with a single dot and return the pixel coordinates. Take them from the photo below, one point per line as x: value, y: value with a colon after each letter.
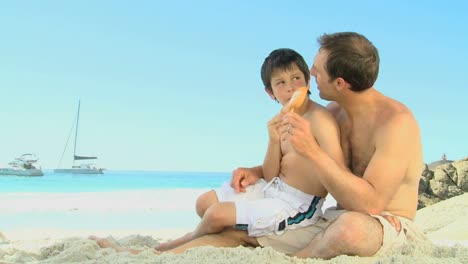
x: 173, y: 202
x: 56, y: 200
x: 112, y: 181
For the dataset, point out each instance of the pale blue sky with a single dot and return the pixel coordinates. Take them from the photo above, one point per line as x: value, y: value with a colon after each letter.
x: 175, y: 85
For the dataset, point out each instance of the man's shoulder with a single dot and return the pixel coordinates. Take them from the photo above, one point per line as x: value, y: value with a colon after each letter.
x: 334, y: 108
x: 397, y: 119
x: 396, y: 114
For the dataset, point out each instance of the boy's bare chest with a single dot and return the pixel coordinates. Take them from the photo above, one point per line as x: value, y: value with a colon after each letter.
x: 358, y: 146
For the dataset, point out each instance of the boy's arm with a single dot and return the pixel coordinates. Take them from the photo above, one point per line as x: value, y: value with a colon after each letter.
x: 272, y: 162
x: 243, y: 177
x: 327, y: 134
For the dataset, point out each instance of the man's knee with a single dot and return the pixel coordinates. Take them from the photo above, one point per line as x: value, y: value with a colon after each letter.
x: 356, y: 233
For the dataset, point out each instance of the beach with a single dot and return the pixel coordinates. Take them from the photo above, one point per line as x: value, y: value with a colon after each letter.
x: 45, y: 234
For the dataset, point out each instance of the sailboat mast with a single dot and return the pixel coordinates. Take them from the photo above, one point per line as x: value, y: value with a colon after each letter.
x: 76, y: 131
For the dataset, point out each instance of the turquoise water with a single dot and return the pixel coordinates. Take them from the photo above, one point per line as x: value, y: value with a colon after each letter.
x: 112, y: 181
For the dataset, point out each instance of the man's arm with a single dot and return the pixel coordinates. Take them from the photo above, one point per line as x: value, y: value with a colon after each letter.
x: 383, y: 176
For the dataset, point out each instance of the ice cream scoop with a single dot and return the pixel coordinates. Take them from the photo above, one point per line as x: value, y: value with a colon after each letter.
x: 297, y: 100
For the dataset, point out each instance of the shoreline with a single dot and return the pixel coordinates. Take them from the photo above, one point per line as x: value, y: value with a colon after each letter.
x: 33, y: 241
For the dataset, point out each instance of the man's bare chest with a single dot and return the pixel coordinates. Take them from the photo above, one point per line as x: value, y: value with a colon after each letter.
x: 358, y: 147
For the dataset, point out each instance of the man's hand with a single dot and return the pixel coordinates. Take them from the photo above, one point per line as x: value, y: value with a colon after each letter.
x: 243, y: 177
x: 393, y: 221
x: 297, y: 129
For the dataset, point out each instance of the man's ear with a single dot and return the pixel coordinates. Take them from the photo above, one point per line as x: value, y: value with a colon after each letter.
x: 270, y: 93
x: 340, y: 84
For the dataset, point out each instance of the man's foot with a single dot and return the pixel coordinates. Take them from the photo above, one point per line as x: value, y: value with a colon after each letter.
x: 105, y: 243
x: 174, y: 243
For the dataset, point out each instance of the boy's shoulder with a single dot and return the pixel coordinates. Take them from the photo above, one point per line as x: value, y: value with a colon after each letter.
x: 318, y: 112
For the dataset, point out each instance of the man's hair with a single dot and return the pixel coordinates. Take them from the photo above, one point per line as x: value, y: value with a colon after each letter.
x: 283, y: 59
x: 352, y: 57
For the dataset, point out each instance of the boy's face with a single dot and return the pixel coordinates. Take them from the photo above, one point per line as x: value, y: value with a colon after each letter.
x: 285, y: 82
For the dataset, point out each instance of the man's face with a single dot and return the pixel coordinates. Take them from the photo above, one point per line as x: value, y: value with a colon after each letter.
x: 285, y: 82
x: 322, y: 79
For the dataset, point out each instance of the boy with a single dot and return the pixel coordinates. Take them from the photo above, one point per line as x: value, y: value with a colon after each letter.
x: 293, y: 197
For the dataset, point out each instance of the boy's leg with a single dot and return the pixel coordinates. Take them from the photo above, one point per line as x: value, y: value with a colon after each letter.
x: 216, y: 218
x: 205, y: 201
x: 225, y: 193
x: 105, y: 243
x: 229, y: 237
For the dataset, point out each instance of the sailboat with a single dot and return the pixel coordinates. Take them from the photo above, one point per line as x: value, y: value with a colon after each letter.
x: 83, y: 168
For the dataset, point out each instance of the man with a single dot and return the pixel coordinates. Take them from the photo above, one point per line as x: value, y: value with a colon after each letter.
x: 382, y: 148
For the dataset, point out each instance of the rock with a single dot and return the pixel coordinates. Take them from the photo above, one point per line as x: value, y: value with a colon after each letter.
x: 425, y: 200
x: 461, y: 167
x: 441, y: 180
x: 3, y: 239
x: 426, y: 176
x: 436, y: 164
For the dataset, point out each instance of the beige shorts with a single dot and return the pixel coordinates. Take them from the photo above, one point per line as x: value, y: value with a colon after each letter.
x: 294, y: 240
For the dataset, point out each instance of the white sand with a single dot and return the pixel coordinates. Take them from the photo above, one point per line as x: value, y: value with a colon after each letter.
x: 445, y: 223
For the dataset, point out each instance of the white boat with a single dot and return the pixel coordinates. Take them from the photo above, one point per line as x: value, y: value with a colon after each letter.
x: 24, y: 165
x: 83, y: 168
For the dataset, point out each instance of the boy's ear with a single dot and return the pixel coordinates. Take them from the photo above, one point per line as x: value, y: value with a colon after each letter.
x: 270, y: 93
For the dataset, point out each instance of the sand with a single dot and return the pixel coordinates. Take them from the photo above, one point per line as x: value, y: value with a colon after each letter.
x: 445, y: 223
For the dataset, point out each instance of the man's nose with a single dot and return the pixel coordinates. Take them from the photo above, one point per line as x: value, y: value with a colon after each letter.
x: 312, y: 72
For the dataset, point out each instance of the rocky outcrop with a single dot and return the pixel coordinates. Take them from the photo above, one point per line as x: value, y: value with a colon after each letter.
x: 442, y: 180
x: 3, y: 239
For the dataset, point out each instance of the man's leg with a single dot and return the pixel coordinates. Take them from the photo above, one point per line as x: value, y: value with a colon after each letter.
x: 352, y: 233
x: 216, y: 219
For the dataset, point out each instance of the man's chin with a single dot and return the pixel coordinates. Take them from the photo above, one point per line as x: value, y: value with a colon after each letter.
x: 325, y: 97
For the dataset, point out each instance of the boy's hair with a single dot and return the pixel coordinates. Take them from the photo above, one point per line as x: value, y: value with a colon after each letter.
x: 352, y: 57
x: 283, y: 59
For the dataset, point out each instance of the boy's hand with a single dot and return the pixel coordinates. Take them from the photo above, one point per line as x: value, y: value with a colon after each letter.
x: 274, y: 126
x: 243, y: 177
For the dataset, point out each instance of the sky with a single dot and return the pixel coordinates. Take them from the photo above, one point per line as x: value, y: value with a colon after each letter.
x: 175, y: 85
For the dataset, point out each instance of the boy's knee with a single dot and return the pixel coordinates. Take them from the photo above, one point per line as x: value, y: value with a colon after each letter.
x: 214, y: 216
x: 204, y: 201
x: 200, y: 205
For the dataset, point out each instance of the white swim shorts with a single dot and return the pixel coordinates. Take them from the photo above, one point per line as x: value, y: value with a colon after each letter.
x: 267, y: 208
